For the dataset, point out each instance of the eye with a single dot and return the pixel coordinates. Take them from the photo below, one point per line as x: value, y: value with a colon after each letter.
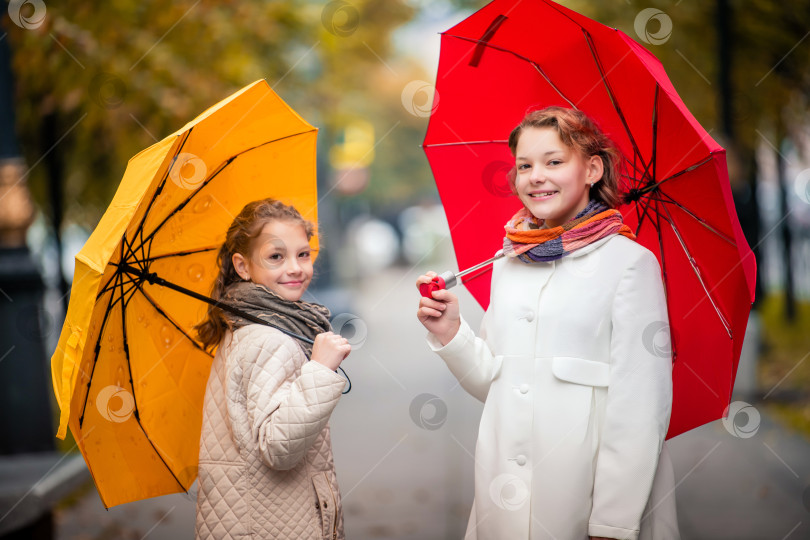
x: 304, y: 254
x: 555, y: 162
x: 275, y: 257
x: 522, y: 166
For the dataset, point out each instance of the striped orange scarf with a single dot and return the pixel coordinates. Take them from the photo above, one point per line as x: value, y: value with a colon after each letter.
x: 526, y: 240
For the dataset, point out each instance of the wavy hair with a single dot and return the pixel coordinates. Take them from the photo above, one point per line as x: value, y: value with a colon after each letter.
x: 241, y: 235
x: 576, y: 130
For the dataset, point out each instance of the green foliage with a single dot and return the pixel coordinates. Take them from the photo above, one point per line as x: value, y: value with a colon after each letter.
x: 784, y: 366
x: 787, y: 346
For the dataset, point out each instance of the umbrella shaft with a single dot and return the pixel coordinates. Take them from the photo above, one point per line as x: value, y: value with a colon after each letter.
x: 478, y: 266
x: 151, y: 277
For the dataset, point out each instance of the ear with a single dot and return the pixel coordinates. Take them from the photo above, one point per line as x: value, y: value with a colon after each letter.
x: 240, y: 265
x: 595, y: 169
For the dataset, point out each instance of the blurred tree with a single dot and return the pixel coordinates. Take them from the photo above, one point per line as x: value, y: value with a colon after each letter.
x: 112, y: 78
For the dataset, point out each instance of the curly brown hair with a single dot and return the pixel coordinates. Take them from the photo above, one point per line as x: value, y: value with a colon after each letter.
x: 576, y: 130
x: 242, y: 233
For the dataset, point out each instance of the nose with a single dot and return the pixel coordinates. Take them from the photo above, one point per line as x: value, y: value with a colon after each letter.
x: 537, y: 174
x: 293, y: 267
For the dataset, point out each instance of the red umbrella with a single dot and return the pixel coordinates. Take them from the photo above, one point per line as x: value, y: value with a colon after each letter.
x: 512, y: 57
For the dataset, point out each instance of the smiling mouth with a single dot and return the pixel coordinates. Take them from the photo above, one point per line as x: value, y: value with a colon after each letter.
x: 543, y: 195
x: 292, y: 283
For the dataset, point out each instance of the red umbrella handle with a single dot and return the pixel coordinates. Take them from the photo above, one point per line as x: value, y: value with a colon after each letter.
x: 444, y: 281
x: 426, y: 289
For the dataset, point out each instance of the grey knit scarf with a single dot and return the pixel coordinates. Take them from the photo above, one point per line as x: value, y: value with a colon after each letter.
x: 303, y: 318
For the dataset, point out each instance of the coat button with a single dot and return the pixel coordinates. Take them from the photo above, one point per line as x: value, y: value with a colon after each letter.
x: 521, y: 460
x: 317, y: 506
x: 530, y: 316
x: 524, y: 388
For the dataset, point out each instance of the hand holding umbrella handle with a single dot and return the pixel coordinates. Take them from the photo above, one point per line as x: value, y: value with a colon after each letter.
x: 448, y: 279
x: 444, y: 281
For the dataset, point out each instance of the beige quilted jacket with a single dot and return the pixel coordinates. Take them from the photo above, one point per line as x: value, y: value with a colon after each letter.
x: 266, y: 468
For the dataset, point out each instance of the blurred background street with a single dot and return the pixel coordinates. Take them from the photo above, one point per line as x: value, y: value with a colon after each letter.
x: 85, y: 86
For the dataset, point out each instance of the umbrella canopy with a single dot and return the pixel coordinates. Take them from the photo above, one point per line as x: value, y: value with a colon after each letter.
x: 128, y: 372
x: 513, y: 57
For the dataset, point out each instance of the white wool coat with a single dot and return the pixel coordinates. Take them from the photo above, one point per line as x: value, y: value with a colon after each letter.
x: 573, y: 365
x: 266, y: 466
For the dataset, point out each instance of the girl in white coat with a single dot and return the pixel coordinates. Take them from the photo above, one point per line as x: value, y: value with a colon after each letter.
x: 572, y: 360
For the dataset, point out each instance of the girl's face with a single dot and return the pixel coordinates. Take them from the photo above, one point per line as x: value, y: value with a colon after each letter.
x: 552, y: 178
x: 280, y: 260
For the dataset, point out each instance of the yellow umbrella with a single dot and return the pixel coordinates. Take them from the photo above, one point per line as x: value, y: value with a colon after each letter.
x: 128, y: 373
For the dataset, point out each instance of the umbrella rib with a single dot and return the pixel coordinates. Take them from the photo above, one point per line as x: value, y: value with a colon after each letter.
x: 150, y: 259
x: 136, y: 413
x: 627, y: 181
x: 107, y: 285
x: 691, y: 168
x: 130, y: 255
x: 166, y: 316
x: 641, y: 219
x: 551, y: 84
x: 123, y: 298
x: 615, y: 103
x: 530, y: 61
x: 148, y: 264
x: 664, y: 274
x: 697, y: 272
x: 698, y: 219
x: 631, y: 165
x: 162, y: 182
x: 209, y: 179
x: 97, y: 348
x: 651, y: 164
x: 98, y: 343
x: 638, y: 218
x: 114, y: 285
x: 183, y: 204
x: 153, y: 278
x: 655, y: 130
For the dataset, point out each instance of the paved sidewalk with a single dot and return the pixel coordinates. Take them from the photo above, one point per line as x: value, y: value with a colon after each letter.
x: 736, y: 488
x: 403, y: 441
